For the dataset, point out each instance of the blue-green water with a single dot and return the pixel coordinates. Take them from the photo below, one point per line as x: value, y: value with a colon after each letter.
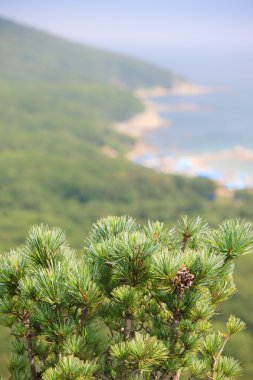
x: 223, y: 120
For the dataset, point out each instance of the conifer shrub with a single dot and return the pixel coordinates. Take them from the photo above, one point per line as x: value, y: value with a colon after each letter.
x: 136, y: 304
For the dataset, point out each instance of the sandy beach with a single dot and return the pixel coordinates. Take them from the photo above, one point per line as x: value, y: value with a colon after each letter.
x: 178, y: 88
x: 214, y: 165
x: 139, y: 126
x: 143, y: 123
x: 150, y: 119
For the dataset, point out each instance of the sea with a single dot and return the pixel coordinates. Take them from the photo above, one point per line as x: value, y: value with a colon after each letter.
x: 213, y: 136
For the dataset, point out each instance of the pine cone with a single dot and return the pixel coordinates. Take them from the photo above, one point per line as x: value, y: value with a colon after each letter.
x: 183, y: 280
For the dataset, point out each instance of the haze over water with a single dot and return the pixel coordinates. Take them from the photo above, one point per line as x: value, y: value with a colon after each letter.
x: 222, y: 121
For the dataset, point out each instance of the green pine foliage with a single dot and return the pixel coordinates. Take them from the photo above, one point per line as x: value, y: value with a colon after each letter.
x: 58, y: 103
x: 137, y: 304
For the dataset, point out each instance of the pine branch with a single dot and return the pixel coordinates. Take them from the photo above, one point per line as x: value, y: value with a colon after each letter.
x: 29, y: 340
x: 216, y: 359
x: 185, y: 239
x: 128, y: 327
x: 176, y: 376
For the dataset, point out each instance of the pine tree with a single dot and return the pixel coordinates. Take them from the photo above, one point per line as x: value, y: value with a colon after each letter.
x: 136, y: 304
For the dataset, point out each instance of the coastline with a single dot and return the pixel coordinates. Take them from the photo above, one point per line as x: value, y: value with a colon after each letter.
x: 178, y: 88
x: 216, y: 166
x: 140, y: 125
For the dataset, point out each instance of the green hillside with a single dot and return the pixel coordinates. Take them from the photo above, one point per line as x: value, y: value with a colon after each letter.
x: 28, y: 54
x: 58, y: 103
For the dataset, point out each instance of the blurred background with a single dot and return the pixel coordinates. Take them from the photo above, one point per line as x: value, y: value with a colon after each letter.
x: 132, y: 107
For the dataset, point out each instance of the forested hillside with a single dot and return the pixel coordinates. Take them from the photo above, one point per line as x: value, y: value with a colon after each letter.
x: 58, y: 104
x: 28, y: 54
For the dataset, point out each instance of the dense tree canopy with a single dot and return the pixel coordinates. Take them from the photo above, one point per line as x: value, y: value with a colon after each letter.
x: 137, y: 304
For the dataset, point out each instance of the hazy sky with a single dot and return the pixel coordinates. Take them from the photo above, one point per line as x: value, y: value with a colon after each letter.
x: 132, y: 24
x: 205, y: 40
